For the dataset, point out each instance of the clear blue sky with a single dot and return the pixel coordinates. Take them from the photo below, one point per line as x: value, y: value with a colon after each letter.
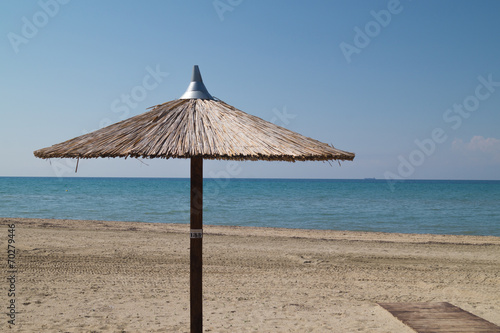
x: 412, y: 87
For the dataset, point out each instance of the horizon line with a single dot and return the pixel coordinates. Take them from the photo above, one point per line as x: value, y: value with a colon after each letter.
x: 259, y: 178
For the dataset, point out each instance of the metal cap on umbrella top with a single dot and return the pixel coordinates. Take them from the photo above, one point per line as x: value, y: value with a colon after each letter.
x: 196, y: 126
x: 196, y: 88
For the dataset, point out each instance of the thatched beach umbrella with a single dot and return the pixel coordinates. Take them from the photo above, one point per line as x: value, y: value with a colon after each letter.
x: 196, y: 126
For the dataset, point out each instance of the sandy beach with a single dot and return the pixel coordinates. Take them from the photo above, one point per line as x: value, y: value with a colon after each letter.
x: 95, y: 276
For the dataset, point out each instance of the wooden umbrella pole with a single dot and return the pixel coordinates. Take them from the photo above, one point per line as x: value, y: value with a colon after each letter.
x: 196, y: 245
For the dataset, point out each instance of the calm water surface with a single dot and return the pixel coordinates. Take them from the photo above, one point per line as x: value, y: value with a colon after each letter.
x: 439, y: 207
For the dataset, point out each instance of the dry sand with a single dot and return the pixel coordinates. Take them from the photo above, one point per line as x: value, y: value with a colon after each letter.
x: 94, y: 276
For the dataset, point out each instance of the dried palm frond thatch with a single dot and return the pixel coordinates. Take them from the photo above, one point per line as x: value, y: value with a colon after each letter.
x: 185, y: 128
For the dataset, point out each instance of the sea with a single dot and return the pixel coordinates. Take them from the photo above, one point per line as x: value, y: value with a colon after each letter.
x: 455, y: 207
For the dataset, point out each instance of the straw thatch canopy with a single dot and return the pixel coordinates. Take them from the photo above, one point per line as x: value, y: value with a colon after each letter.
x: 185, y: 128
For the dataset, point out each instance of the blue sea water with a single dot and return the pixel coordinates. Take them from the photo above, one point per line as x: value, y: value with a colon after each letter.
x: 418, y: 206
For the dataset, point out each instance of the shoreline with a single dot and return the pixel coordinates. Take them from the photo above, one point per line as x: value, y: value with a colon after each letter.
x: 325, y: 234
x: 79, y: 275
